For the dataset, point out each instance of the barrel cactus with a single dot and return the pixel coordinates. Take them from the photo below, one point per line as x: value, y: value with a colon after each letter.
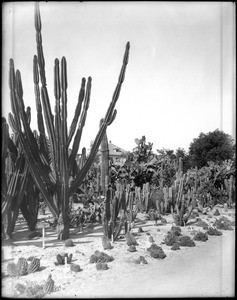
x: 22, y: 266
x: 33, y: 266
x: 49, y: 285
x: 12, y: 270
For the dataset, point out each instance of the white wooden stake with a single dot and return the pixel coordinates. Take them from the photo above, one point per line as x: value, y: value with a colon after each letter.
x: 65, y: 261
x: 112, y: 238
x: 43, y: 233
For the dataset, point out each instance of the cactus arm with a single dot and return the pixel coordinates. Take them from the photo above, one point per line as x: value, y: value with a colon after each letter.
x: 100, y: 134
x: 77, y: 111
x: 40, y: 121
x: 113, y: 116
x: 119, y: 84
x: 81, y: 124
x: 44, y: 92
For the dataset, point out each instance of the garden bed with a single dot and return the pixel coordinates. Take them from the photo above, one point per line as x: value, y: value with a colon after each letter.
x: 207, y: 269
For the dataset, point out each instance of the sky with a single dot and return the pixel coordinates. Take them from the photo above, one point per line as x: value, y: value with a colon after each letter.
x: 180, y: 78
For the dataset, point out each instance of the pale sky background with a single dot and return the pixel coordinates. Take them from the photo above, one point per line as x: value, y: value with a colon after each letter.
x: 180, y: 79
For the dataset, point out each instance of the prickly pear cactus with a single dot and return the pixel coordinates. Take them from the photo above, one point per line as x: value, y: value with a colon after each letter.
x: 12, y: 270
x: 22, y: 266
x: 33, y: 266
x: 49, y: 285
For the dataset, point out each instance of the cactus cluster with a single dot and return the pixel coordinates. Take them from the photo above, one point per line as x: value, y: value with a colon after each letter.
x: 185, y: 241
x: 48, y: 159
x: 61, y: 258
x: 223, y: 223
x: 156, y: 252
x: 22, y: 267
x: 175, y: 246
x: 101, y: 266
x: 213, y: 231
x: 141, y: 260
x: 130, y: 239
x: 100, y: 257
x: 201, y: 236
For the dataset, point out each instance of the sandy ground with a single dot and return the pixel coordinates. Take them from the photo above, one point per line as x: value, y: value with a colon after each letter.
x: 206, y: 270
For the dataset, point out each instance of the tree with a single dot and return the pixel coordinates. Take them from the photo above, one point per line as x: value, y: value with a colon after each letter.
x: 214, y: 146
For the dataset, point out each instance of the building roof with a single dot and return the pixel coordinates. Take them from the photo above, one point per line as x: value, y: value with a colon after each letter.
x: 115, y: 150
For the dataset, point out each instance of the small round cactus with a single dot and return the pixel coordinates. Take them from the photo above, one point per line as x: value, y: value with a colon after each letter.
x: 101, y: 266
x: 75, y: 268
x: 69, y: 243
x: 151, y: 240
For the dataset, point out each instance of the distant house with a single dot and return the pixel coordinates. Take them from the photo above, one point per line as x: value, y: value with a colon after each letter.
x: 116, y: 154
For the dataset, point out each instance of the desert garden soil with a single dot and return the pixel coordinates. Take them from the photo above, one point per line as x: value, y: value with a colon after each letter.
x: 206, y: 270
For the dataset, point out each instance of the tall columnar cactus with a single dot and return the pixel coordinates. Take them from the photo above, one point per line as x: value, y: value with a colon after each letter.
x: 51, y: 166
x: 114, y: 213
x: 104, y: 149
x: 15, y: 176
